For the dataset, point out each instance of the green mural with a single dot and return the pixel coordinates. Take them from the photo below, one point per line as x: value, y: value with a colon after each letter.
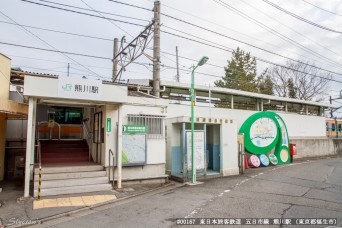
x: 266, y: 133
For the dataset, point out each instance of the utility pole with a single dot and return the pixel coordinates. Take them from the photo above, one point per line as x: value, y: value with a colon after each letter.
x: 68, y: 69
x: 156, y: 50
x: 177, y: 76
x: 115, y: 60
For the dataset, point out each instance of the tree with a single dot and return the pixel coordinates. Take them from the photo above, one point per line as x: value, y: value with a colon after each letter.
x: 265, y: 83
x: 291, y: 88
x: 300, y: 80
x: 240, y: 72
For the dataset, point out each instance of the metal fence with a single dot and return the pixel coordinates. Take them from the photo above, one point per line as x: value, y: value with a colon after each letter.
x: 155, y: 124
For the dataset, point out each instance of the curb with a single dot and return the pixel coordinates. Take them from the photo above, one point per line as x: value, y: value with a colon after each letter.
x: 90, y: 208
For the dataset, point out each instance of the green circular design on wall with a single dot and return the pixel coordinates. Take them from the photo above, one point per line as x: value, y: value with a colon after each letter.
x: 261, y: 132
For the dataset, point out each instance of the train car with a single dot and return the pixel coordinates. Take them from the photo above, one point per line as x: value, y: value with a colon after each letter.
x: 334, y: 127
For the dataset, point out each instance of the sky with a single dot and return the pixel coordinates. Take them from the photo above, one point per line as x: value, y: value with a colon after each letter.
x: 254, y: 26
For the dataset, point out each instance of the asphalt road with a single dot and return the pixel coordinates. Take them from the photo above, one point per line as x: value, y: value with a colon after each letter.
x: 307, y: 189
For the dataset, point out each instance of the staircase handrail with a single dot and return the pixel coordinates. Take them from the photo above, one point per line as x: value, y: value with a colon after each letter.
x: 89, y: 139
x: 109, y: 166
x: 46, y: 122
x: 39, y: 154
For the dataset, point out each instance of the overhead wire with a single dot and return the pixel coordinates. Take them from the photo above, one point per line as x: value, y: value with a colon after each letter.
x: 83, y: 55
x: 278, y: 34
x: 47, y: 44
x: 101, y: 14
x: 78, y: 12
x: 293, y: 30
x: 257, y: 58
x: 206, y: 30
x: 288, y: 58
x: 237, y: 40
x: 322, y: 8
x: 58, y: 31
x: 301, y: 18
x: 93, y: 10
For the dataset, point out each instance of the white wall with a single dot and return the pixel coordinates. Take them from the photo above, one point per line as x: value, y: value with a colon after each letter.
x: 229, y: 149
x: 297, y: 125
x: 155, y: 147
x: 48, y: 88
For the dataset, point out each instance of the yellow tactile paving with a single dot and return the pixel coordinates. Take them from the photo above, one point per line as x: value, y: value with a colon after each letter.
x: 64, y: 202
x: 72, y: 201
x: 50, y: 203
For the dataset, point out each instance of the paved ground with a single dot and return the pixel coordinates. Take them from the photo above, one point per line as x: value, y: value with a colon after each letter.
x: 15, y: 210
x: 307, y: 189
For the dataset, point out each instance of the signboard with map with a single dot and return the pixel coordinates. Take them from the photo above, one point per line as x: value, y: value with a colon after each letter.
x: 133, y: 149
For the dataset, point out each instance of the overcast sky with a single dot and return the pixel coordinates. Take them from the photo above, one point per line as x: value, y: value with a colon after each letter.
x: 321, y: 47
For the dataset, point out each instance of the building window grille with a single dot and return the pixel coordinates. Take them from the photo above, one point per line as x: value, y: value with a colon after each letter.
x: 155, y: 124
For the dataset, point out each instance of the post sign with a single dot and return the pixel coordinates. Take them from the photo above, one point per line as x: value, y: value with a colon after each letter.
x: 81, y: 88
x: 134, y: 129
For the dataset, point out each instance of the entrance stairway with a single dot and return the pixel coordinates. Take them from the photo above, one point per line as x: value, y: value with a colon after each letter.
x: 61, y: 151
x: 66, y: 169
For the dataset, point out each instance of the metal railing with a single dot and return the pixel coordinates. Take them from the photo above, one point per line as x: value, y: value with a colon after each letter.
x: 39, y: 160
x: 89, y: 139
x: 50, y: 132
x: 109, y: 166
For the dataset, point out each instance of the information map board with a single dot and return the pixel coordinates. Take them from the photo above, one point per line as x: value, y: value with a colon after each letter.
x: 133, y: 146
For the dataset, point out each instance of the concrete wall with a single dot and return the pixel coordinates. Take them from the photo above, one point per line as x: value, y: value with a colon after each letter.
x: 317, y: 146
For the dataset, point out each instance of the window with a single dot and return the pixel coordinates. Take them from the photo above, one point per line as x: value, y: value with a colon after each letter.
x: 68, y: 115
x: 154, y: 124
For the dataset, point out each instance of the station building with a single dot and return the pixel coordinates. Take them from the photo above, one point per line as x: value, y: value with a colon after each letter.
x: 76, y: 128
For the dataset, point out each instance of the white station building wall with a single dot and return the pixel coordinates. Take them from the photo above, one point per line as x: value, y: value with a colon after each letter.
x: 297, y: 125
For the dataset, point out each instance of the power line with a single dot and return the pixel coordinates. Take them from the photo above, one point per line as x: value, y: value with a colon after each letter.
x: 306, y: 37
x: 262, y: 49
x: 99, y: 13
x: 99, y: 57
x: 223, y: 35
x: 301, y: 18
x: 257, y: 58
x: 322, y: 8
x: 206, y: 29
x: 187, y: 23
x: 63, y: 52
x: 283, y: 37
x: 126, y: 4
x: 93, y: 10
x: 87, y: 14
x: 222, y: 26
x: 47, y: 44
x: 58, y: 31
